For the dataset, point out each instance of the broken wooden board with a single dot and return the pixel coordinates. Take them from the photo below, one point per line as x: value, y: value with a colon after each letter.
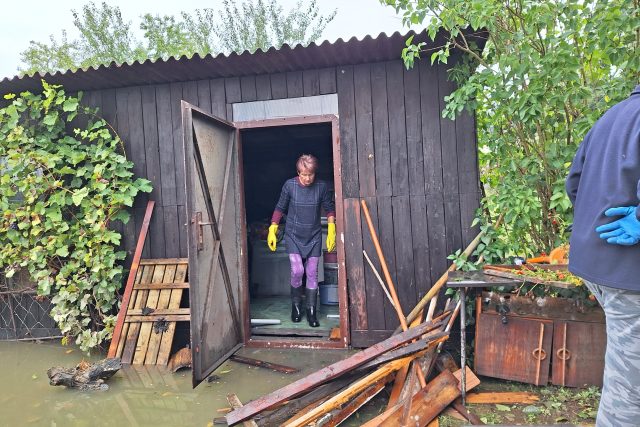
x: 153, y: 310
x: 340, y: 415
x: 425, y: 405
x: 347, y: 394
x: 332, y: 371
x: 471, y: 380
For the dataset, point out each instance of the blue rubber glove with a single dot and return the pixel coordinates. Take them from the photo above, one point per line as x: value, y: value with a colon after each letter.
x: 625, y: 231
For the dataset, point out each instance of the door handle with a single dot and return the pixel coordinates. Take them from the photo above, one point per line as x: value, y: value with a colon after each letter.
x: 197, y: 222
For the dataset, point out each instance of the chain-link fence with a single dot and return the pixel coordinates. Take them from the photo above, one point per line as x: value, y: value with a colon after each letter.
x: 23, y: 314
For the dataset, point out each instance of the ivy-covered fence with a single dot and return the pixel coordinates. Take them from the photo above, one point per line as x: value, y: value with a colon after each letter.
x: 64, y: 178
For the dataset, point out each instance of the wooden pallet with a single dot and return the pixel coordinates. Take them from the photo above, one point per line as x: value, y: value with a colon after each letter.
x: 152, y: 312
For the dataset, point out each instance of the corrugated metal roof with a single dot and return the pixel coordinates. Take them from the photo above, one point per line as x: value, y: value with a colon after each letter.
x: 274, y: 60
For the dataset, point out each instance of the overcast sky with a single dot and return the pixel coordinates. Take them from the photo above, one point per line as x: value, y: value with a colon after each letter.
x: 25, y: 20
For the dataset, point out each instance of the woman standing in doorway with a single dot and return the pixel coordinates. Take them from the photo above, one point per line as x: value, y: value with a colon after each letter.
x: 301, y: 199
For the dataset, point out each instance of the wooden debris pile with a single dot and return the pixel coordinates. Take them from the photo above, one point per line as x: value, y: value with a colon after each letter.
x: 408, y: 358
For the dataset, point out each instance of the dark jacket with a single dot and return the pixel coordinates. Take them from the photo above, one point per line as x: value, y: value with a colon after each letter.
x: 303, y: 232
x: 606, y: 173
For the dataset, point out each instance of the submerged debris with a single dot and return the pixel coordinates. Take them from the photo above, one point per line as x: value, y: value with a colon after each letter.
x: 85, y: 376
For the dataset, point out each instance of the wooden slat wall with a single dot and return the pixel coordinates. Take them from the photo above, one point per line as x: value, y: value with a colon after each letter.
x: 417, y: 171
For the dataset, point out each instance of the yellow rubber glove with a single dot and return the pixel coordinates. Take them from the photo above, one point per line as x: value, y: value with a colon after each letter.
x: 271, y: 238
x: 331, y: 237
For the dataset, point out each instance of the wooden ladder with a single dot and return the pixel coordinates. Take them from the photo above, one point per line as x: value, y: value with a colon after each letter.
x: 153, y: 310
x: 150, y: 308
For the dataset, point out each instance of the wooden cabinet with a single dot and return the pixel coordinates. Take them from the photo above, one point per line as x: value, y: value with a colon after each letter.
x: 538, y: 340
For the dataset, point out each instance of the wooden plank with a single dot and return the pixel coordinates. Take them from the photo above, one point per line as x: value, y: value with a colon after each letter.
x: 388, y: 245
x: 280, y: 332
x: 134, y: 329
x: 204, y: 95
x: 248, y: 88
x: 136, y: 138
x: 348, y: 143
x: 165, y: 145
x: 150, y: 143
x: 236, y: 404
x: 327, y: 80
x: 347, y: 394
x: 364, y: 130
x: 174, y: 302
x: 165, y: 261
x: 328, y: 373
x: 426, y: 404
x: 413, y: 120
x: 134, y: 277
x: 233, y: 94
x: 163, y: 303
x: 430, y: 114
x: 218, y: 98
x: 121, y: 337
x: 310, y: 82
x: 158, y: 312
x: 397, y: 128
x: 380, y: 117
x: 373, y: 292
x: 163, y: 285
x: 452, y: 221
x: 508, y: 397
x: 263, y: 87
x: 355, y: 272
x: 150, y: 318
x: 278, y: 86
x: 469, y: 203
x: 262, y: 364
x: 447, y: 137
x: 437, y: 236
x: 145, y: 329
x: 358, y: 402
x: 171, y: 230
x: 420, y: 233
x: 122, y: 119
x: 467, y: 153
x: 294, y: 84
x: 406, y: 286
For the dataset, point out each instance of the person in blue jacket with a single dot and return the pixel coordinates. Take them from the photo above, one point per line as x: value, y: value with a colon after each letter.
x: 302, y: 198
x: 604, y: 187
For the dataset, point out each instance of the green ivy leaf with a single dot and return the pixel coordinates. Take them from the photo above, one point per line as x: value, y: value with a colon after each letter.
x: 79, y: 195
x: 70, y: 104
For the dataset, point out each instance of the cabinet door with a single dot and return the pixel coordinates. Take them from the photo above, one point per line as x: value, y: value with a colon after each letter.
x: 519, y: 350
x: 578, y: 353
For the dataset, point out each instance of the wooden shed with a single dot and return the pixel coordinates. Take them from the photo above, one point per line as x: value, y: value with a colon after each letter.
x: 243, y: 119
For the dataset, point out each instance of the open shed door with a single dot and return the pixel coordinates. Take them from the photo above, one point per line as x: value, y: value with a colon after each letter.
x: 211, y: 169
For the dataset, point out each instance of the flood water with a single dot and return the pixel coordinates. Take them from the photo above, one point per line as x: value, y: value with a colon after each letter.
x: 137, y: 396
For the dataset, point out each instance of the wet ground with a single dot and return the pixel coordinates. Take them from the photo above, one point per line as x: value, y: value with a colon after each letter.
x: 138, y: 396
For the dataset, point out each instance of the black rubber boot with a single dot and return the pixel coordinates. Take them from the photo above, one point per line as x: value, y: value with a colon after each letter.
x: 296, y: 304
x: 312, y: 296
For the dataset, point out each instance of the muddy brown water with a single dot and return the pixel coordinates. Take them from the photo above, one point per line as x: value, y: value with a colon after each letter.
x: 137, y: 396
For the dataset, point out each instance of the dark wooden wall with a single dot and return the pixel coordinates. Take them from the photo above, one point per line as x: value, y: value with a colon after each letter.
x: 417, y: 171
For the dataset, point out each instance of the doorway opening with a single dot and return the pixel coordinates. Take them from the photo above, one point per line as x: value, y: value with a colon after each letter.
x: 269, y: 150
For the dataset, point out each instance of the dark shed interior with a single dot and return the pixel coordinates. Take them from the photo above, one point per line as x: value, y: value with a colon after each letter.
x: 268, y: 159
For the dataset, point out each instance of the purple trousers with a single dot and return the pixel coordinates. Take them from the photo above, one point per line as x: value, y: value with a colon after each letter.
x: 298, y: 269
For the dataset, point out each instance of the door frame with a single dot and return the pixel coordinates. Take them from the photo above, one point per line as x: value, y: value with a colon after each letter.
x: 343, y: 308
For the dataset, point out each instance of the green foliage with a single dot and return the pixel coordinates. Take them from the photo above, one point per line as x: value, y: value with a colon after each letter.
x: 59, y: 191
x: 239, y: 25
x: 549, y: 69
x: 260, y: 25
